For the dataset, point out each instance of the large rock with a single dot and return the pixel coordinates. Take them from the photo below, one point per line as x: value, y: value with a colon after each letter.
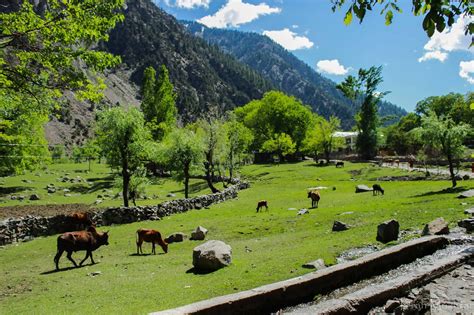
x: 175, y: 238
x: 199, y: 234
x: 388, y: 231
x: 317, y: 264
x: 436, y: 227
x: 212, y: 255
x: 339, y: 226
x: 466, y: 194
x: 468, y: 224
x: 362, y: 188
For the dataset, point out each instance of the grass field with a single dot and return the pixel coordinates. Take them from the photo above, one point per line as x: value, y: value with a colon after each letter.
x: 267, y: 247
x: 86, y: 188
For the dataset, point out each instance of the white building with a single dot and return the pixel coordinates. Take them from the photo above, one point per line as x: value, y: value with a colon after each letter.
x: 349, y: 136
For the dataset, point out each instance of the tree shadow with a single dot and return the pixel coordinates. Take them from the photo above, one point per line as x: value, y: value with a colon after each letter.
x: 196, y: 271
x: 449, y: 190
x: 11, y: 190
x: 193, y: 188
x: 67, y: 269
x: 145, y: 254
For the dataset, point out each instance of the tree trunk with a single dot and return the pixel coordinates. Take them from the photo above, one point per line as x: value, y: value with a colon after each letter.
x: 186, y: 180
x: 208, y: 165
x: 327, y: 154
x: 231, y: 166
x: 126, y: 181
x: 451, y: 170
x: 90, y: 164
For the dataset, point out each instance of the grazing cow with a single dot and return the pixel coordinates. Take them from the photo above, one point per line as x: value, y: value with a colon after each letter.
x: 340, y: 164
x: 79, y: 221
x: 377, y: 189
x: 150, y: 236
x: 88, y: 240
x: 315, y: 197
x: 261, y: 204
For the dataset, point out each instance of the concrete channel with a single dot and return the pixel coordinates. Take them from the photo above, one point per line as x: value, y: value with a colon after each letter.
x: 280, y: 295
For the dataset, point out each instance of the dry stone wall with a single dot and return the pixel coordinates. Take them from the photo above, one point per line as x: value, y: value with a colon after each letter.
x: 24, y: 229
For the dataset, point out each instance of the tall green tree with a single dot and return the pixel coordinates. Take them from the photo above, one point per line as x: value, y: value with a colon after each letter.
x: 281, y: 144
x: 22, y: 142
x: 239, y: 139
x: 183, y: 152
x: 365, y: 87
x: 320, y: 137
x: 446, y: 135
x: 125, y: 142
x: 437, y: 13
x: 159, y: 102
x: 276, y: 113
x: 453, y: 105
x: 214, y: 141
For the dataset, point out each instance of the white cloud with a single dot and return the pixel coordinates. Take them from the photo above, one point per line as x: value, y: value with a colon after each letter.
x: 452, y: 39
x: 289, y: 40
x: 191, y: 4
x: 332, y: 67
x: 467, y: 70
x: 236, y: 12
x: 437, y: 54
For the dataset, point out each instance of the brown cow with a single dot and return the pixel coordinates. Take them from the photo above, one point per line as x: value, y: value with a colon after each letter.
x: 79, y: 221
x: 315, y: 197
x: 150, y: 236
x: 261, y: 204
x: 88, y: 240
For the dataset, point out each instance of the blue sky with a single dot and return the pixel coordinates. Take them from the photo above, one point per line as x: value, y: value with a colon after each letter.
x: 415, y: 66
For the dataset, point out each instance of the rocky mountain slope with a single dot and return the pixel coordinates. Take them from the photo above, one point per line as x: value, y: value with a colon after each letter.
x: 286, y: 72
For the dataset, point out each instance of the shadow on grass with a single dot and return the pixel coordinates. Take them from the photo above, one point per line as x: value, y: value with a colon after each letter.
x: 196, y: 271
x: 66, y: 269
x: 443, y: 191
x: 193, y: 188
x: 11, y: 190
x: 146, y: 254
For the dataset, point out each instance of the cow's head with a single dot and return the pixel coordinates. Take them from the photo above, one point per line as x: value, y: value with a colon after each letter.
x: 165, y: 246
x: 104, y: 238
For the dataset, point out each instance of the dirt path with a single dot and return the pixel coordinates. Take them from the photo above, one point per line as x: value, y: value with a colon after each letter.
x: 440, y: 171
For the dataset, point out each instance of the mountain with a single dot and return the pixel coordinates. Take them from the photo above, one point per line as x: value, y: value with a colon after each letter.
x: 203, y: 75
x: 286, y: 72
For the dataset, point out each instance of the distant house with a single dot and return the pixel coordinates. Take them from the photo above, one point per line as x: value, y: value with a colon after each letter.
x: 350, y: 138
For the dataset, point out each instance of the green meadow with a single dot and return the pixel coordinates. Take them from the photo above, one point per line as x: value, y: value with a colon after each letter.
x: 267, y: 246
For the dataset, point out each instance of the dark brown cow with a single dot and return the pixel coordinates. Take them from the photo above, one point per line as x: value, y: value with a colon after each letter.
x: 340, y: 164
x: 315, y: 197
x: 377, y: 189
x: 150, y: 236
x: 88, y: 240
x: 261, y: 204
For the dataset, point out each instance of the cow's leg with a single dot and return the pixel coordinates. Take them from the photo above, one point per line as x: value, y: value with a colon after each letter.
x: 139, y: 247
x: 56, y: 258
x: 153, y: 248
x: 69, y: 256
x: 92, y: 258
x: 87, y: 255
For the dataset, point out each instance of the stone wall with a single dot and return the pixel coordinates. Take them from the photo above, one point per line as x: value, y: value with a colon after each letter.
x: 23, y: 229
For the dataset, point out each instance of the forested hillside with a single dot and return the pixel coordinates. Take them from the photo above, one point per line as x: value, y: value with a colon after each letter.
x: 287, y: 72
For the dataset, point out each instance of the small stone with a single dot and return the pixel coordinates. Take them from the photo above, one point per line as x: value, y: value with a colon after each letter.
x: 175, y: 238
x: 170, y: 195
x: 95, y: 273
x: 466, y: 194
x: 362, y: 188
x: 98, y: 201
x: 51, y: 190
x: 436, y: 227
x: 67, y: 195
x: 35, y: 197
x: 199, y: 234
x: 469, y: 211
x: 468, y: 224
x: 317, y: 264
x: 388, y: 231
x: 66, y: 190
x: 303, y: 211
x: 391, y: 305
x: 339, y: 226
x: 292, y: 209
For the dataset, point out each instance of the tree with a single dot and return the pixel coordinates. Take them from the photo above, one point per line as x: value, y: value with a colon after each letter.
x: 281, y: 144
x: 365, y: 87
x: 41, y: 44
x: 125, y: 142
x: 446, y: 135
x: 183, y: 150
x: 91, y: 151
x: 437, y: 13
x: 454, y: 105
x: 321, y: 138
x: 159, y: 102
x: 401, y: 137
x: 41, y: 47
x: 239, y: 139
x: 22, y: 142
x: 274, y: 114
x: 214, y: 145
